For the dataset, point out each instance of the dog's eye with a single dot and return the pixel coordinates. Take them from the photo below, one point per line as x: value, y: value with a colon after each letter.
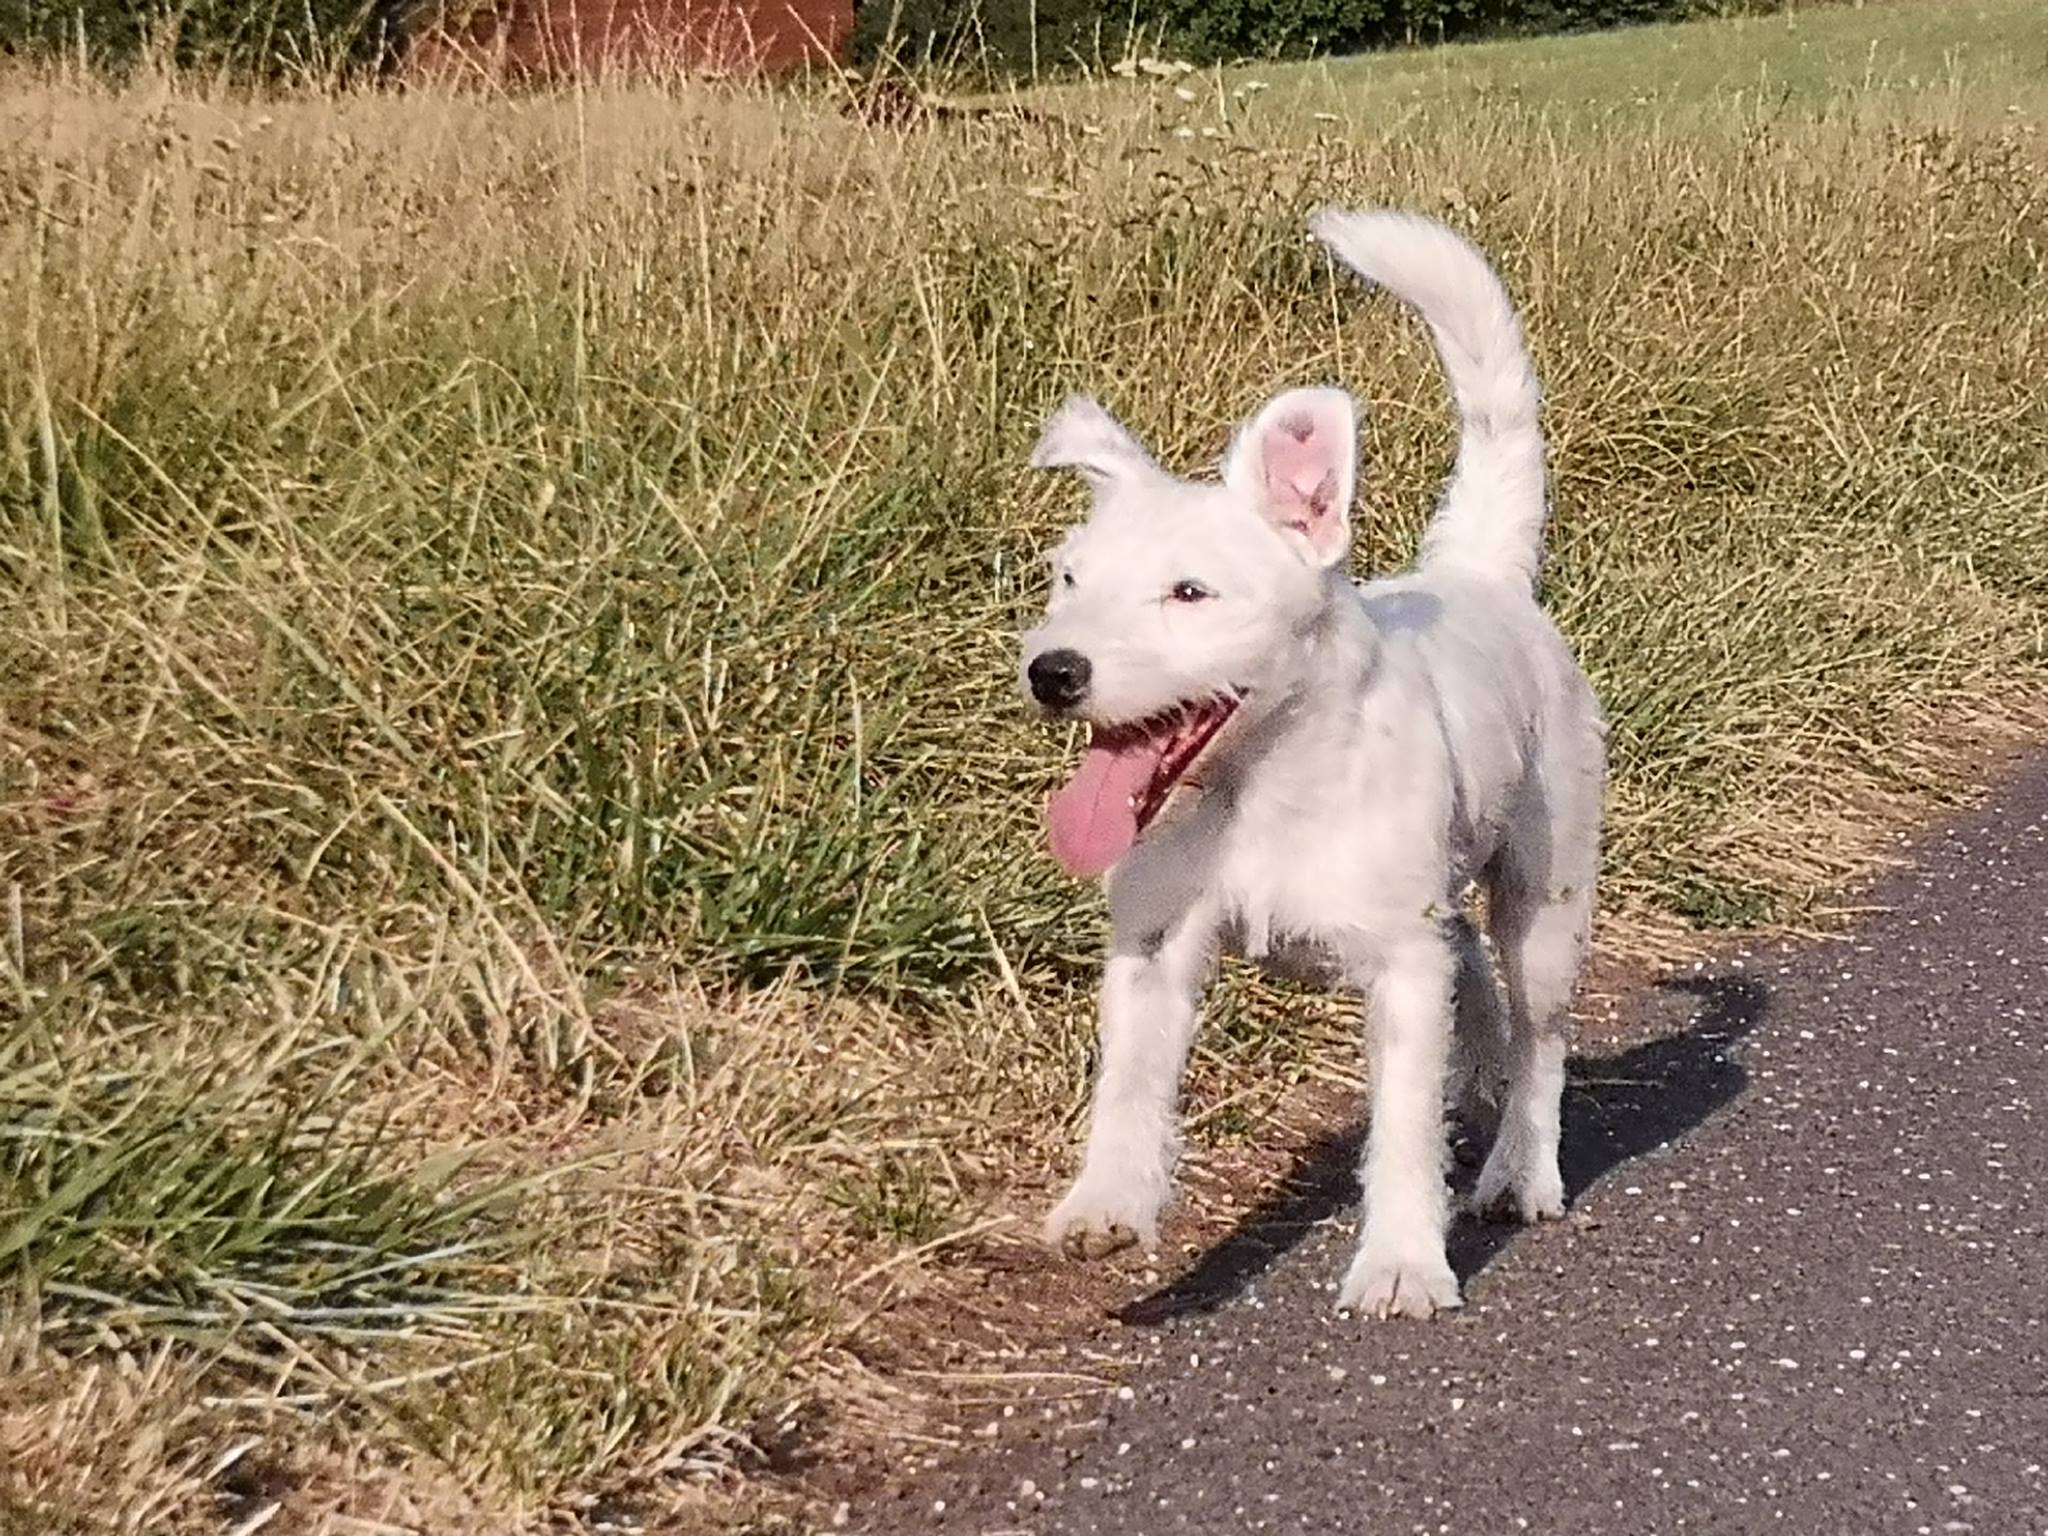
x: 1188, y: 591
x: 1066, y: 578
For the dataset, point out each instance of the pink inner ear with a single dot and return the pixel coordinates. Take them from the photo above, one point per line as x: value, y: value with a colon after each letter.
x: 1301, y: 483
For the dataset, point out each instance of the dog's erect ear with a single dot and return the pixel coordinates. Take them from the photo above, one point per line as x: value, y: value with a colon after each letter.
x: 1298, y: 462
x: 1083, y: 436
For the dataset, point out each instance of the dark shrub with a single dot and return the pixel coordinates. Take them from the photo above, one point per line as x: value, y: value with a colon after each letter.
x: 1001, y: 33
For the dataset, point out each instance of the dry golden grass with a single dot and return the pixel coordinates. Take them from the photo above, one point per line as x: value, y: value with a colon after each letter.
x: 524, y: 934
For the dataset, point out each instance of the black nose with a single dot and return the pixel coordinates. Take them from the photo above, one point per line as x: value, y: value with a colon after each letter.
x: 1059, y: 679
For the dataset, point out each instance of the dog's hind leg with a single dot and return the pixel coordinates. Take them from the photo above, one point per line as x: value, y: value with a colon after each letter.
x: 1400, y: 1268
x: 1541, y: 919
x: 1479, y: 1044
x: 1149, y: 996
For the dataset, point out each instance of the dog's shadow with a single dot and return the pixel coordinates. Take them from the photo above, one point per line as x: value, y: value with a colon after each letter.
x: 1617, y: 1108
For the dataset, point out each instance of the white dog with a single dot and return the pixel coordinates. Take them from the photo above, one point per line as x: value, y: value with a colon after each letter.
x: 1336, y: 767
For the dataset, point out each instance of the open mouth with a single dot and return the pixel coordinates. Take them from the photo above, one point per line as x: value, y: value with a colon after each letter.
x: 1126, y: 778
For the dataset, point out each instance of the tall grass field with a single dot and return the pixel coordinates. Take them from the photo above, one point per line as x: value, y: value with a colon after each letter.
x: 524, y: 927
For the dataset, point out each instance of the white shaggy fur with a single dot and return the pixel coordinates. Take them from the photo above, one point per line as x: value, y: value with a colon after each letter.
x: 1392, y: 746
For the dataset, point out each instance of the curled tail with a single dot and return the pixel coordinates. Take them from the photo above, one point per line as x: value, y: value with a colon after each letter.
x: 1490, y: 520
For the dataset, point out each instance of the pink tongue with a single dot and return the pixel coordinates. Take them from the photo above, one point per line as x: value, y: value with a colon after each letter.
x: 1092, y: 821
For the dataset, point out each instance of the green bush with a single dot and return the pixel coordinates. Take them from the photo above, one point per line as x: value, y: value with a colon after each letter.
x: 1017, y: 34
x: 270, y: 37
x: 1007, y: 35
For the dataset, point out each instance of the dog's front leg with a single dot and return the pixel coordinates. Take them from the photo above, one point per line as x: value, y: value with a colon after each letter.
x: 1149, y: 994
x: 1401, y: 1268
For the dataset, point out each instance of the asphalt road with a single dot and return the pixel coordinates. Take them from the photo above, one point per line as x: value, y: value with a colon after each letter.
x: 1804, y: 1285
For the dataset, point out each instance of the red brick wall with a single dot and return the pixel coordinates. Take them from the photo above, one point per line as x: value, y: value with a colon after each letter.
x: 563, y: 38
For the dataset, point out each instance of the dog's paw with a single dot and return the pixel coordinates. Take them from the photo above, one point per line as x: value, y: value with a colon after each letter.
x: 1509, y: 1189
x: 1384, y: 1283
x: 1095, y: 1221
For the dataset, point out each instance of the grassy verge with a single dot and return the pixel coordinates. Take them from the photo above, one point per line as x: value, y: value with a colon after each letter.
x: 524, y: 924
x: 1844, y: 62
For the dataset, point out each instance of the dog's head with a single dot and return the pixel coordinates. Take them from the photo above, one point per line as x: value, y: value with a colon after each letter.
x: 1179, y: 607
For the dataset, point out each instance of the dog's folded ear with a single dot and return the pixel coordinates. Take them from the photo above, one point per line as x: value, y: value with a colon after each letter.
x: 1083, y: 436
x: 1297, y: 462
